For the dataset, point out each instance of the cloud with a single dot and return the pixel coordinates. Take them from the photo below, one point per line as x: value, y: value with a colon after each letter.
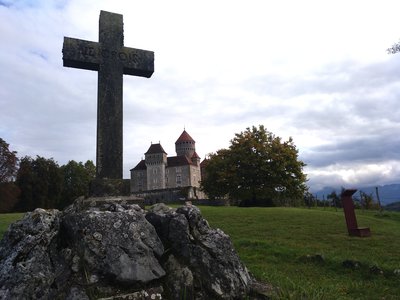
x: 330, y: 86
x: 354, y: 175
x: 368, y: 149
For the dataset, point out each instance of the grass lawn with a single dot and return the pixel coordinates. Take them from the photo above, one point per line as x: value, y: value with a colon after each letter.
x: 7, y: 219
x: 274, y: 244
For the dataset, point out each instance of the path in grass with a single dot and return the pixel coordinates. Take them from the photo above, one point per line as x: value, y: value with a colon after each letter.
x: 273, y: 242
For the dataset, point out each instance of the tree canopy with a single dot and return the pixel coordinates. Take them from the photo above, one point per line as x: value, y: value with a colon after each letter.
x: 40, y: 181
x: 258, y: 168
x: 76, y: 179
x: 8, y: 162
x: 9, y: 192
x: 43, y: 183
x: 28, y: 183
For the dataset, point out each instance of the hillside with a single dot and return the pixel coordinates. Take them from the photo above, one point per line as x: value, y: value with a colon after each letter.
x: 395, y: 206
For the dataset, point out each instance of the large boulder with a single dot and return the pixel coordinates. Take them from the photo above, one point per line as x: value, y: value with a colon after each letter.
x: 115, y: 250
x: 26, y: 250
x: 115, y: 243
x: 206, y: 256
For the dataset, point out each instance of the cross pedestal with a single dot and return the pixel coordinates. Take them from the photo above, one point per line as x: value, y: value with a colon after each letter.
x: 111, y: 59
x: 350, y: 216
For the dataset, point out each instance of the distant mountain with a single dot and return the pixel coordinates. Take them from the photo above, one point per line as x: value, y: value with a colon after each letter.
x: 387, y: 193
x: 395, y: 206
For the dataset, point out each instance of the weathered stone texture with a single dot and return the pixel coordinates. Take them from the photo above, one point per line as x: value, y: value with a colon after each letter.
x: 26, y: 266
x: 109, y: 187
x: 111, y: 59
x: 203, y: 253
x: 115, y: 250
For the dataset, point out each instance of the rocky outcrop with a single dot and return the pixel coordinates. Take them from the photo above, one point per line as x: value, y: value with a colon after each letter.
x: 206, y: 256
x: 115, y: 250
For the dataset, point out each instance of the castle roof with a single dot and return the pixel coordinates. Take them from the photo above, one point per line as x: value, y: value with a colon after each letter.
x: 181, y: 160
x: 195, y: 155
x: 173, y: 161
x: 184, y: 137
x: 204, y: 163
x: 140, y: 166
x: 155, y: 148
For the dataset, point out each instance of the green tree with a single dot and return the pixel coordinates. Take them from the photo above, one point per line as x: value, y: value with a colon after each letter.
x: 335, y: 199
x: 367, y: 201
x: 8, y: 162
x: 9, y: 192
x: 218, y: 178
x: 309, y: 199
x: 76, y: 179
x: 40, y: 182
x: 257, y: 169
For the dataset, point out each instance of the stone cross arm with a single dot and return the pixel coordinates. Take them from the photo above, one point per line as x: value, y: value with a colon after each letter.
x: 111, y: 59
x: 90, y: 55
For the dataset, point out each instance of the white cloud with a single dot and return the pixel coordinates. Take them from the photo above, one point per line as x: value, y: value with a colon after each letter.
x: 316, y: 71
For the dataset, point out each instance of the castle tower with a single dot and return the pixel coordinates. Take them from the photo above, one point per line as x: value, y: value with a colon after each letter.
x: 195, y: 159
x: 156, y: 161
x: 185, y: 145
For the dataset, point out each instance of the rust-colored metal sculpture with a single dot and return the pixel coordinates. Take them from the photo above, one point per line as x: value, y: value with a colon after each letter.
x: 350, y: 215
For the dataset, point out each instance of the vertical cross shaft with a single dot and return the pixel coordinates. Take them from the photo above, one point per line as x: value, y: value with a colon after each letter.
x: 111, y: 59
x: 109, y: 99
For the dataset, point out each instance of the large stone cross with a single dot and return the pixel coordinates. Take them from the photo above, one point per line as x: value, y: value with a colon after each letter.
x: 111, y: 59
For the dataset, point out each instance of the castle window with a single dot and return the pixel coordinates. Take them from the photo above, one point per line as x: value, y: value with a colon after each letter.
x: 178, y: 180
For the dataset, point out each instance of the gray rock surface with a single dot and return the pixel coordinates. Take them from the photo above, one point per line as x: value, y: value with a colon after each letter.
x: 119, y: 251
x: 204, y: 253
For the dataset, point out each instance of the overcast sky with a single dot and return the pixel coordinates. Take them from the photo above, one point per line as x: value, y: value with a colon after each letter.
x: 316, y: 71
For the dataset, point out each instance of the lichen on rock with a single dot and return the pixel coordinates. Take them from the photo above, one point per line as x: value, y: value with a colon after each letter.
x: 108, y: 250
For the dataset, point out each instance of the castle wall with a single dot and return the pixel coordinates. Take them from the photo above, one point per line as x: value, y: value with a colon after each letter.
x: 156, y: 176
x: 173, y: 195
x: 178, y: 176
x: 138, y: 180
x: 195, y: 176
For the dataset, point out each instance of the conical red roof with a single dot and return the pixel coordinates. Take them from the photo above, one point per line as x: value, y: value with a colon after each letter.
x: 185, y: 137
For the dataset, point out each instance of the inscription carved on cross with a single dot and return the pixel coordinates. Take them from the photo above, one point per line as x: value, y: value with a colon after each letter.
x: 111, y: 59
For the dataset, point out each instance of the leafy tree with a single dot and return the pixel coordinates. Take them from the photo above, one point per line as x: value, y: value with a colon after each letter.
x: 334, y: 199
x: 8, y: 162
x: 9, y: 192
x: 218, y: 174
x: 40, y: 182
x: 367, y: 201
x: 76, y: 178
x: 257, y: 169
x: 309, y: 199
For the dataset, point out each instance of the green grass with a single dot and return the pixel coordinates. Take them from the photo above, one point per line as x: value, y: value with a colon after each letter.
x: 273, y: 243
x: 7, y: 219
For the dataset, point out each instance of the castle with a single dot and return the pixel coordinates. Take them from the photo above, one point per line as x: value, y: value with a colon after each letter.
x: 159, y: 172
